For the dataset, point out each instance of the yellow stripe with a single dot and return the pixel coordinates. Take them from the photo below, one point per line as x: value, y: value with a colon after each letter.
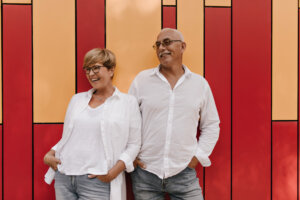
x: 53, y: 58
x: 217, y: 2
x: 16, y: 1
x: 169, y: 2
x: 190, y: 23
x: 132, y: 27
x: 285, y: 55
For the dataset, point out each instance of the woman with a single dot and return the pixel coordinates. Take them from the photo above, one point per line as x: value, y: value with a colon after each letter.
x: 101, y: 137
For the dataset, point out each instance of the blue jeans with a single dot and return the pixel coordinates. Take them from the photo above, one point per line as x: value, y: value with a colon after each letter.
x: 184, y: 186
x: 80, y: 188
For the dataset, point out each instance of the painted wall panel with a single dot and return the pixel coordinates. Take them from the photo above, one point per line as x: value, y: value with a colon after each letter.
x: 16, y: 1
x: 1, y: 161
x: 54, y: 58
x: 0, y: 72
x: 218, y: 74
x: 217, y: 2
x: 169, y: 17
x: 45, y: 137
x: 251, y: 99
x: 284, y: 60
x: 90, y: 34
x: 17, y: 102
x: 169, y: 2
x: 284, y: 160
x: 190, y: 22
x: 133, y: 47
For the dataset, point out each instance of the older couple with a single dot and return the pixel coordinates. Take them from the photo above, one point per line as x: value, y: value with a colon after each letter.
x: 103, y: 136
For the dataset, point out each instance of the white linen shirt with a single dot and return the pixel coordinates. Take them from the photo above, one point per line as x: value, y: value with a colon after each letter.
x: 170, y: 119
x: 120, y: 130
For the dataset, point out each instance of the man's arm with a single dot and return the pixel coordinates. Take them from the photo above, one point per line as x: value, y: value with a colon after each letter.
x: 209, y: 126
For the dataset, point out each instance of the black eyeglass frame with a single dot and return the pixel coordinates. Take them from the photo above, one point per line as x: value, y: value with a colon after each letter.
x: 94, y: 68
x: 166, y: 42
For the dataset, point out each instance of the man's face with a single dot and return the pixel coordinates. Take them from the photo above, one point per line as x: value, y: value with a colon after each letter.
x: 170, y: 53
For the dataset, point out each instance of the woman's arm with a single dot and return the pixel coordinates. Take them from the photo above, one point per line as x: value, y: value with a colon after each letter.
x: 112, y: 173
x: 50, y: 160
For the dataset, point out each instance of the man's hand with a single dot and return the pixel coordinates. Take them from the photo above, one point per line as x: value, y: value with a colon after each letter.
x: 50, y: 160
x: 138, y: 162
x: 193, y: 163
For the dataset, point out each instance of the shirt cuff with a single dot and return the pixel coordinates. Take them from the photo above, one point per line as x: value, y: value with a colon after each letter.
x: 54, y: 147
x: 49, y: 176
x: 202, y: 158
x: 128, y: 162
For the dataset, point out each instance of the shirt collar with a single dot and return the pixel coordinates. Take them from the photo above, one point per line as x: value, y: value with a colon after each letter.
x: 115, y: 94
x: 187, y: 72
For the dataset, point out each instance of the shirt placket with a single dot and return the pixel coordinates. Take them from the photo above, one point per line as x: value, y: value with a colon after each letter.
x: 169, y: 133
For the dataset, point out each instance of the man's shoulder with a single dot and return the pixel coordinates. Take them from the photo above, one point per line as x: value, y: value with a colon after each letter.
x: 198, y: 77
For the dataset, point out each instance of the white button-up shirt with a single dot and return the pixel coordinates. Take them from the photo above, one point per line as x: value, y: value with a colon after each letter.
x: 120, y: 124
x: 170, y: 119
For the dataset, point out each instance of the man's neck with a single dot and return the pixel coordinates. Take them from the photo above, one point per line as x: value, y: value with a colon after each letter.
x: 172, y: 71
x: 172, y: 74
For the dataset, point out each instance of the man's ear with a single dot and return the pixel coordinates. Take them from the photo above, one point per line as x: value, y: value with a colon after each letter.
x: 183, y: 46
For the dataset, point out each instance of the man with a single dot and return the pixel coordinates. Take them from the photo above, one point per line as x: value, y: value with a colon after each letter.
x: 172, y: 101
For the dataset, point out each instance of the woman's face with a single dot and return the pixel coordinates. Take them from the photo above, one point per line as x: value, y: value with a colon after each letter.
x: 99, y: 76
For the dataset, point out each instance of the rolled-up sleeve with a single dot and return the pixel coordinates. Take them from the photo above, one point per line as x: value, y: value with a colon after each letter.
x: 134, y: 137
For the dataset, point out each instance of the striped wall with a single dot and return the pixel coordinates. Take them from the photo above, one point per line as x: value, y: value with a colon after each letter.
x: 247, y: 50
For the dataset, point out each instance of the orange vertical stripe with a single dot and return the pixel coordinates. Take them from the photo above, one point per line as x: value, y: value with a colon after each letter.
x: 190, y: 23
x: 217, y: 2
x: 285, y: 55
x: 131, y: 30
x: 169, y: 2
x: 54, y: 58
x: 16, y: 1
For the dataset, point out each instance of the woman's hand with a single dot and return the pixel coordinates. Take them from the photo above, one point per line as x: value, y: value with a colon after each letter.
x: 50, y: 160
x: 112, y: 173
x: 104, y: 178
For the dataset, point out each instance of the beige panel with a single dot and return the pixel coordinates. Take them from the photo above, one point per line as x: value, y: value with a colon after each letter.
x: 131, y: 30
x: 284, y: 69
x: 16, y: 1
x: 190, y: 23
x: 169, y: 2
x: 53, y: 58
x: 217, y: 2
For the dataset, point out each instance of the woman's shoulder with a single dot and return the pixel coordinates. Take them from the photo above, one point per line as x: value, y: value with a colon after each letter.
x: 127, y: 97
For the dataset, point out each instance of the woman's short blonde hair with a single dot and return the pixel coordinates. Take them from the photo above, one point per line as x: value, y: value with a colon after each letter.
x: 97, y: 55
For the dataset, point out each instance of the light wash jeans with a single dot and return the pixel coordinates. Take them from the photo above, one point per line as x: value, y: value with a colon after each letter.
x: 80, y: 188
x: 183, y: 186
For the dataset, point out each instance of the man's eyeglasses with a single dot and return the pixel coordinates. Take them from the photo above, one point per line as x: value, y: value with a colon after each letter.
x: 166, y: 42
x: 95, y: 69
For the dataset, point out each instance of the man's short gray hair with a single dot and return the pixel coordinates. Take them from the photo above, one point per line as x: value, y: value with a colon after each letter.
x: 174, y: 30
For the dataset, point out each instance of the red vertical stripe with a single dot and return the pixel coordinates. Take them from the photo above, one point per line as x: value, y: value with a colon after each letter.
x: 17, y: 101
x: 298, y: 100
x: 45, y: 137
x: 1, y: 162
x: 169, y: 17
x: 218, y: 74
x: 251, y: 96
x: 90, y: 34
x: 284, y: 160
